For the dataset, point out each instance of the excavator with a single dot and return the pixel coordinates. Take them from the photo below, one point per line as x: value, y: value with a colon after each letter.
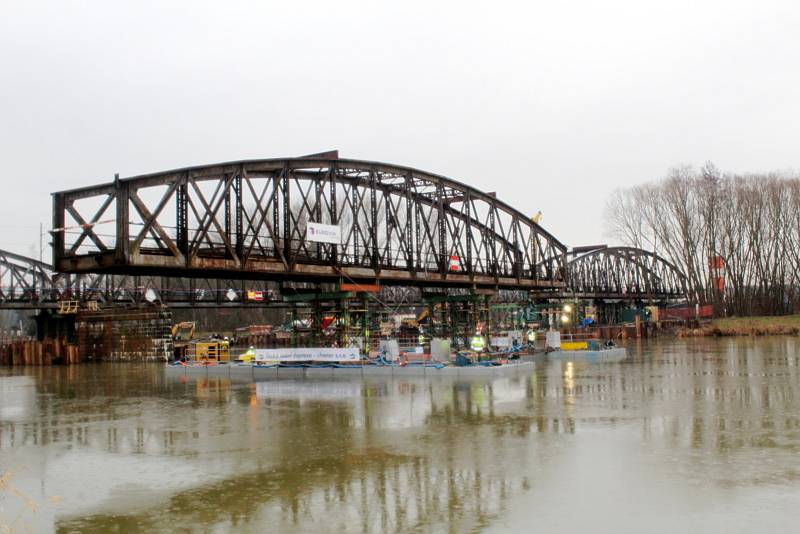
x: 413, y: 324
x: 183, y: 331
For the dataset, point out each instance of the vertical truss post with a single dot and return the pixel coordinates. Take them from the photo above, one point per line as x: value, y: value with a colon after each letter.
x: 317, y: 211
x: 373, y: 205
x: 276, y: 210
x: 442, y: 226
x: 418, y: 238
x: 409, y: 239
x: 492, y: 244
x: 390, y: 223
x: 468, y: 229
x: 227, y: 208
x: 356, y: 226
x: 237, y: 188
x: 59, y: 221
x: 287, y: 208
x: 122, y: 249
x: 334, y: 213
x: 517, y: 268
x: 182, y: 217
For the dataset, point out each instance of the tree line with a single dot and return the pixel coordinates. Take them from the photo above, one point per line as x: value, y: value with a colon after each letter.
x: 742, y: 228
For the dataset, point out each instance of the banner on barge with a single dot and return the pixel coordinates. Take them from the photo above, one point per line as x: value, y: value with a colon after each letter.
x: 315, y: 354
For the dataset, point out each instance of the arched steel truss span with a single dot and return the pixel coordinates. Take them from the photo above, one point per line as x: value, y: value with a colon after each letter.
x: 249, y: 220
x: 626, y: 273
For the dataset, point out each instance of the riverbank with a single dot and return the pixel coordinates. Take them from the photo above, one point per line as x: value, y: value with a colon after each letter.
x: 746, y: 326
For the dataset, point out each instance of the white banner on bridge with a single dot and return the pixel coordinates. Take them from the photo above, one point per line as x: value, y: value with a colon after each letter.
x: 350, y: 354
x: 323, y: 233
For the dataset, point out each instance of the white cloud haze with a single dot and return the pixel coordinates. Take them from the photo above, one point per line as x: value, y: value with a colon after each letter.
x: 551, y: 104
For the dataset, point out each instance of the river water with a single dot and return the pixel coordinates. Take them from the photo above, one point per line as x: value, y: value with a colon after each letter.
x: 683, y: 436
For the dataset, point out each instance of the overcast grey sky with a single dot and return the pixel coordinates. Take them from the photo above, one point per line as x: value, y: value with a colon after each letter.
x: 551, y: 104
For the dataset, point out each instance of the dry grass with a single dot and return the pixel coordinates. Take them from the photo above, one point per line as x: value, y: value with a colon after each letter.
x: 747, y: 326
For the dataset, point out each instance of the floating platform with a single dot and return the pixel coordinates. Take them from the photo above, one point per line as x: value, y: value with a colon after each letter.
x: 235, y: 370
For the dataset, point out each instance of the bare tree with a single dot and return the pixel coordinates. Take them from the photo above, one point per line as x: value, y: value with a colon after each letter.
x: 692, y: 217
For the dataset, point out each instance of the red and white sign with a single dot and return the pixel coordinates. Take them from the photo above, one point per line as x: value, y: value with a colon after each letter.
x: 255, y: 295
x: 455, y: 263
x: 716, y: 265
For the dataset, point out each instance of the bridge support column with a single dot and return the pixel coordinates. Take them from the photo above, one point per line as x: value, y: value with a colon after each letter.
x: 53, y: 326
x: 341, y: 323
x: 317, y: 323
x: 488, y: 330
x: 142, y: 334
x: 365, y: 332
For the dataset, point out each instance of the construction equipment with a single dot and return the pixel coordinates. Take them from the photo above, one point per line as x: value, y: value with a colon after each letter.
x: 210, y: 351
x: 408, y: 323
x: 248, y: 356
x: 183, y: 331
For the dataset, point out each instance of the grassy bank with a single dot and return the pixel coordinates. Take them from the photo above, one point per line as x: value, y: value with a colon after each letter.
x: 747, y: 326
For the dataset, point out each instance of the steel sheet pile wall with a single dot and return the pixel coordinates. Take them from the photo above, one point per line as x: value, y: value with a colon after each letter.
x: 132, y: 335
x: 33, y: 352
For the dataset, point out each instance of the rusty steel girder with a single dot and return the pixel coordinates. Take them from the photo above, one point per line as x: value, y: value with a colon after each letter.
x: 248, y: 219
x: 26, y: 283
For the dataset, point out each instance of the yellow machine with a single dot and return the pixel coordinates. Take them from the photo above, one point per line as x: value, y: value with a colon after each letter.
x: 211, y: 351
x: 183, y: 331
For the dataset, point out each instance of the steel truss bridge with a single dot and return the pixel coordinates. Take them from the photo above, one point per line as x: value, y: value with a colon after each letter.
x: 249, y: 220
x: 608, y: 273
x: 230, y: 234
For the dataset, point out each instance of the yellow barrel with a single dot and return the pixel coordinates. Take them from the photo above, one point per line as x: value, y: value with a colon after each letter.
x: 574, y: 345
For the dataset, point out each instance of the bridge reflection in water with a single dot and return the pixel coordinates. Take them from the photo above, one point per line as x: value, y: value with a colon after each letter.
x: 129, y: 449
